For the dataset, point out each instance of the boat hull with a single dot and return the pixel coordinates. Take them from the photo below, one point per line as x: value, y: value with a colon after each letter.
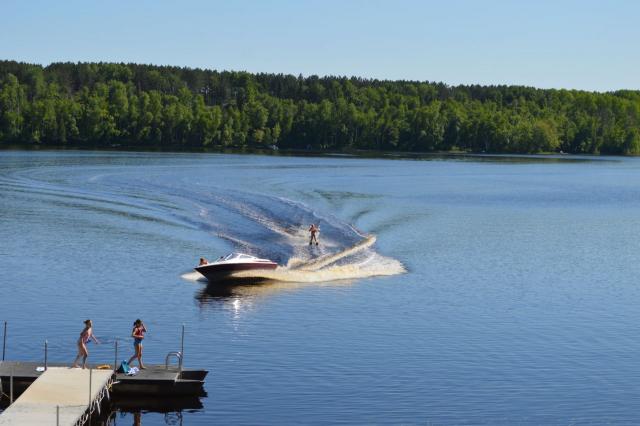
x: 216, y: 272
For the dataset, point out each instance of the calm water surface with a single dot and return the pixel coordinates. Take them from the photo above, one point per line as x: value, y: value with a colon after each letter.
x: 519, y: 304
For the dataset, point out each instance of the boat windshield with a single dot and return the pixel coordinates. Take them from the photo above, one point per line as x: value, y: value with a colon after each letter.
x: 237, y: 256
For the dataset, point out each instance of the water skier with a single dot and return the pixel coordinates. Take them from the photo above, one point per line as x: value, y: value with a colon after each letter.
x: 314, y: 230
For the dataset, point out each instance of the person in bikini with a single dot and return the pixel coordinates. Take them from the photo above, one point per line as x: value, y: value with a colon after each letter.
x: 138, y: 336
x: 313, y: 230
x: 85, y: 337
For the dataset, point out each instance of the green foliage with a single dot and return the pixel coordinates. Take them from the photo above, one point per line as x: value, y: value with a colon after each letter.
x: 99, y: 104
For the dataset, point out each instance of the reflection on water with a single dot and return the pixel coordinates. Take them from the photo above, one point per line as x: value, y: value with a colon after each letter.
x: 501, y: 158
x: 141, y: 417
x: 241, y: 294
x: 241, y: 297
x: 140, y: 410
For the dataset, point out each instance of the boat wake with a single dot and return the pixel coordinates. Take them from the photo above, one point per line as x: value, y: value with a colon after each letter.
x: 222, y: 217
x: 317, y: 264
x: 276, y: 228
x: 358, y: 261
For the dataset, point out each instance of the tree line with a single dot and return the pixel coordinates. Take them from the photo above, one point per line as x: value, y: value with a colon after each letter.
x: 145, y: 106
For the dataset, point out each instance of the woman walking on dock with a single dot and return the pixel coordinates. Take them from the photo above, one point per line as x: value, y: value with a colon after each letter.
x: 138, y: 335
x: 85, y: 337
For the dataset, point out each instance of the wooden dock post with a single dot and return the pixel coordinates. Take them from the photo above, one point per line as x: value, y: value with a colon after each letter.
x: 115, y: 359
x: 4, y: 340
x: 46, y: 354
x: 182, y: 346
x: 90, y: 395
x: 11, y: 387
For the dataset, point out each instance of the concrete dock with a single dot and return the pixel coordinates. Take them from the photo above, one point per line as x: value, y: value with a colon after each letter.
x: 60, y: 395
x: 155, y: 381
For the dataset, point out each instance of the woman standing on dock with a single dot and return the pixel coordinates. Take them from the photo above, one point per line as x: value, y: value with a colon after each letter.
x: 85, y: 337
x: 138, y: 335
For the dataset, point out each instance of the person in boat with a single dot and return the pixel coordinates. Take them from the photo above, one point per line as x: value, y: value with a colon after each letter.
x: 85, y: 337
x: 313, y: 230
x: 138, y: 336
x: 203, y: 261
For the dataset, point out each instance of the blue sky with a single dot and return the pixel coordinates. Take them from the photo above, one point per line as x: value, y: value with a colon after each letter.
x: 591, y: 45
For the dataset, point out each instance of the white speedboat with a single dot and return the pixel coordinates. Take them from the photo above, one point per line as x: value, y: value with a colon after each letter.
x: 233, y: 262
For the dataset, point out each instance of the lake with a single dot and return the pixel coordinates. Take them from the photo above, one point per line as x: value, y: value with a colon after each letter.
x: 471, y: 290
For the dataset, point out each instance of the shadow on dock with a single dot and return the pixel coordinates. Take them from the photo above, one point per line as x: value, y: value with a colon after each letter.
x: 156, y: 405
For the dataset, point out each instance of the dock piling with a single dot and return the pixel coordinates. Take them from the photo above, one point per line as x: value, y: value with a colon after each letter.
x: 90, y: 395
x: 4, y: 340
x: 182, y: 344
x: 11, y: 387
x: 46, y: 354
x: 115, y: 359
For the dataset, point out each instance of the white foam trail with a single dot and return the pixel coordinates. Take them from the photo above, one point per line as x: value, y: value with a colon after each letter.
x: 385, y: 266
x: 324, y: 269
x: 333, y: 258
x: 193, y: 276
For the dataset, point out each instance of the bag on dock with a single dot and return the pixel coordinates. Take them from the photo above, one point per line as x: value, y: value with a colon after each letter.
x: 124, y: 367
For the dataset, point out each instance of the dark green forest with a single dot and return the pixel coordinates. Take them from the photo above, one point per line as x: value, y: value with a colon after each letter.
x: 160, y: 107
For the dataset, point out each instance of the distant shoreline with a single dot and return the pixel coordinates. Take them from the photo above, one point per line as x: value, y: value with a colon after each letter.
x: 356, y: 154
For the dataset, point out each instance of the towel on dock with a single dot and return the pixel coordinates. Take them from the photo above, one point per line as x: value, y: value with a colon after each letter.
x: 133, y: 371
x: 124, y: 367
